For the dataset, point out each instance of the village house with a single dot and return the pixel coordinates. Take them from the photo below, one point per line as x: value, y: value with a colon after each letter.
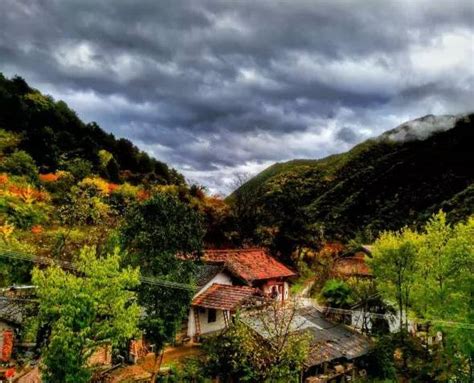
x: 228, y: 280
x: 353, y: 264
x: 335, y: 348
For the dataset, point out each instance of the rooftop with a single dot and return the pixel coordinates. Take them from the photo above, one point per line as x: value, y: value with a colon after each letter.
x: 205, y: 273
x: 249, y: 264
x: 352, y: 266
x: 224, y: 297
x: 328, y: 341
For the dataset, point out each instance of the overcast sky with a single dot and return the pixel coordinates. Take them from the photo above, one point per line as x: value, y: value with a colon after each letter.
x: 219, y: 87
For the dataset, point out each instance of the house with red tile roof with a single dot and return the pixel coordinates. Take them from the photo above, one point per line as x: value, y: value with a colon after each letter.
x: 254, y: 267
x: 353, y: 265
x: 230, y: 279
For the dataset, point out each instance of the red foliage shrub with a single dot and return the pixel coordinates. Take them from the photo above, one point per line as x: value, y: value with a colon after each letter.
x: 37, y: 229
x: 7, y: 345
x: 48, y: 177
x: 112, y: 187
x: 28, y: 193
x: 3, y: 179
x: 143, y: 195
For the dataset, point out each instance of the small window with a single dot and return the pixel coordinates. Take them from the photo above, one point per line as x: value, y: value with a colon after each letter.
x: 211, y: 315
x: 274, y: 292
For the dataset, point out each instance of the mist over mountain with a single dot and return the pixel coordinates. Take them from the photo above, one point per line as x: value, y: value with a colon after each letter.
x: 422, y: 128
x: 399, y: 178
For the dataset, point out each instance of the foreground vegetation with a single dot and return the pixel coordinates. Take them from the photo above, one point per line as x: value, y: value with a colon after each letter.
x: 428, y: 275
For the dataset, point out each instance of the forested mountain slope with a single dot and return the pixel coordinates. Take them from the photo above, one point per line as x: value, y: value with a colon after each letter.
x: 399, y: 178
x: 53, y: 135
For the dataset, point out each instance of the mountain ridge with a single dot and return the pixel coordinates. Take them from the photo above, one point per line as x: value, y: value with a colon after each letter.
x: 398, y: 178
x: 52, y: 133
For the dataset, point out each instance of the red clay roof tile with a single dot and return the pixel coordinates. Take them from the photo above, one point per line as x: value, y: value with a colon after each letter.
x: 249, y: 264
x: 352, y: 266
x: 224, y: 297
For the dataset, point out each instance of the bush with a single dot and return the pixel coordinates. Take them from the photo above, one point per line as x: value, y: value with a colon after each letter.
x: 20, y: 163
x: 78, y: 167
x: 24, y: 215
x: 12, y: 270
x: 336, y: 293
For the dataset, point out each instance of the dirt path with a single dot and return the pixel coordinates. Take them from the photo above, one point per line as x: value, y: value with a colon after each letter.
x: 173, y: 356
x: 304, y: 293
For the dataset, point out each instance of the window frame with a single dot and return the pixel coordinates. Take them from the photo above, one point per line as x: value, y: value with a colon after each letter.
x: 211, y: 315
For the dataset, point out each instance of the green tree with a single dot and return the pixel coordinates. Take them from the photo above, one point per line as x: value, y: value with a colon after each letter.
x: 158, y: 234
x: 445, y: 290
x: 78, y: 167
x: 104, y: 158
x: 8, y: 141
x: 431, y: 273
x: 336, y: 293
x: 11, y: 270
x: 84, y: 311
x: 20, y: 163
x: 394, y: 265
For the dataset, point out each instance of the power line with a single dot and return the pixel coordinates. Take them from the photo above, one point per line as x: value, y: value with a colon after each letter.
x: 69, y: 266
x: 188, y: 287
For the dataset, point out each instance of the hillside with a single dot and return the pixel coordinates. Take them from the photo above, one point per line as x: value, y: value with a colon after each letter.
x: 53, y: 135
x: 397, y: 179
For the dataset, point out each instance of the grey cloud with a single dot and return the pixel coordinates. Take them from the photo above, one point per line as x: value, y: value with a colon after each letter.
x: 348, y: 135
x: 214, y: 86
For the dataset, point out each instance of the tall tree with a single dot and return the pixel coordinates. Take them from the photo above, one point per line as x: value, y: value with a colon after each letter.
x: 244, y: 209
x: 83, y: 311
x: 158, y: 235
x: 445, y: 290
x: 393, y: 264
x: 431, y: 273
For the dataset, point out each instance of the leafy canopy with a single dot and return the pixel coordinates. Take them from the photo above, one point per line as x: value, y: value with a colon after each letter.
x: 430, y: 273
x: 336, y: 293
x: 157, y: 233
x: 83, y: 311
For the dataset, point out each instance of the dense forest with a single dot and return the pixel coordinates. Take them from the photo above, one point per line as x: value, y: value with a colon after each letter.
x: 53, y: 135
x: 381, y: 184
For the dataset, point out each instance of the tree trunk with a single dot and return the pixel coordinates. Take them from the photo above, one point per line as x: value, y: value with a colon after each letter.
x: 157, y: 366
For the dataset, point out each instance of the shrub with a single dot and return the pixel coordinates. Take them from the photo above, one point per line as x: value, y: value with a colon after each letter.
x: 25, y: 215
x: 78, y: 167
x: 336, y: 293
x: 20, y: 163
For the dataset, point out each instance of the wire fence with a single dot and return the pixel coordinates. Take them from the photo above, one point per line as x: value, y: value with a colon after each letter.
x: 69, y: 266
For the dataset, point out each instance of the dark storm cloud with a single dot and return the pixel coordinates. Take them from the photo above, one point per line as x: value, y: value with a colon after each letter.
x: 218, y: 87
x: 347, y: 135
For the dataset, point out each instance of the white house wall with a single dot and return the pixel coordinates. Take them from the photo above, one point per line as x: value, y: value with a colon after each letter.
x: 206, y: 327
x: 224, y: 279
x: 267, y: 289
